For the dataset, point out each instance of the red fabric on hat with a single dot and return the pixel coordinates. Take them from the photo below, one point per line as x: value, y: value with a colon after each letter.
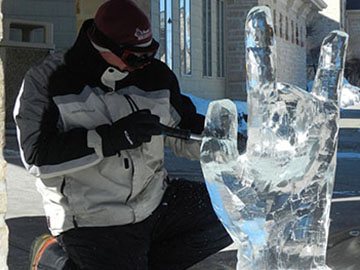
x: 123, y: 22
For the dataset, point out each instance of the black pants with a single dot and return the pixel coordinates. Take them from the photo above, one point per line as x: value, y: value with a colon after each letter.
x: 182, y: 231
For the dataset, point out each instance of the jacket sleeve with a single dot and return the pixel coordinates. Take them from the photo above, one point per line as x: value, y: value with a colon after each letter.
x: 45, y: 150
x: 188, y: 119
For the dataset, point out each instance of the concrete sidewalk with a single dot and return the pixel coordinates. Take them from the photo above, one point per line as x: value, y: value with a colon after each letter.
x: 25, y: 218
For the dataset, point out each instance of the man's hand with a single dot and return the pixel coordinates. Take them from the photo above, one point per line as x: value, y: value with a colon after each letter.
x: 274, y: 199
x: 129, y: 132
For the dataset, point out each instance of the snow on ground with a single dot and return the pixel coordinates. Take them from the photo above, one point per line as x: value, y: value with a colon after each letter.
x: 350, y: 95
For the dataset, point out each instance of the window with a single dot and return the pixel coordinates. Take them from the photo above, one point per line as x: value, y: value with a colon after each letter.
x: 292, y: 32
x: 166, y: 42
x: 28, y: 33
x: 297, y: 35
x: 220, y: 38
x: 34, y: 34
x: 274, y: 21
x: 281, y: 25
x: 286, y: 28
x: 302, y: 32
x: 207, y: 59
x: 185, y: 37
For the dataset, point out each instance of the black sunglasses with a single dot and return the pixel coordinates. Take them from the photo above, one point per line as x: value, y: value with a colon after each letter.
x: 136, y: 59
x: 131, y: 55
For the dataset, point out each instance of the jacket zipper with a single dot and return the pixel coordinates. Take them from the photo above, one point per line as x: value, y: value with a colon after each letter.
x: 62, y: 188
x: 131, y: 191
x: 134, y: 108
x: 131, y: 184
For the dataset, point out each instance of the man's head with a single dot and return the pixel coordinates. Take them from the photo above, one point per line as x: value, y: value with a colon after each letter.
x: 122, y: 34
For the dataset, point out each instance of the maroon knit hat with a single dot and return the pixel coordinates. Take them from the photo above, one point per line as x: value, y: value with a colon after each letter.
x: 123, y: 23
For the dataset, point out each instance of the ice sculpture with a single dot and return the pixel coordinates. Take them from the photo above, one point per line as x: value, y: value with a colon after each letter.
x: 274, y: 200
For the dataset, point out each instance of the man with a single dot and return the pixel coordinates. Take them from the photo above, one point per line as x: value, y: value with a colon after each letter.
x: 90, y: 127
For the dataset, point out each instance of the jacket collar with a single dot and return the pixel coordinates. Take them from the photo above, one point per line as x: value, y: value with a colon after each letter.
x: 83, y: 59
x: 111, y: 76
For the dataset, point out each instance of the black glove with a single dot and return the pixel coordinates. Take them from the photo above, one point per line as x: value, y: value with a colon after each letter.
x: 129, y: 132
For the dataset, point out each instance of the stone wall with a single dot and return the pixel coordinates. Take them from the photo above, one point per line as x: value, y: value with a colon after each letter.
x: 3, y: 197
x: 236, y: 12
x: 289, y: 25
x: 353, y: 29
x: 319, y: 25
x: 16, y: 62
x: 290, y: 29
x: 291, y: 63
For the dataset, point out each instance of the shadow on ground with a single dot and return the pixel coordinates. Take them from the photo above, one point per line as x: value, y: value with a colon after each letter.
x: 22, y: 231
x: 343, y: 249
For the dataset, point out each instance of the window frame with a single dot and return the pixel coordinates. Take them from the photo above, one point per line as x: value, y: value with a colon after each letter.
x: 184, y: 33
x: 207, y: 38
x: 167, y: 50
x: 220, y: 42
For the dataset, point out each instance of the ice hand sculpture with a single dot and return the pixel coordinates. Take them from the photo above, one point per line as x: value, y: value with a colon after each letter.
x: 274, y: 200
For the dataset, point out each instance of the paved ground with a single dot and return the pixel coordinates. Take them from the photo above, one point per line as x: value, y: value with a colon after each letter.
x: 25, y: 216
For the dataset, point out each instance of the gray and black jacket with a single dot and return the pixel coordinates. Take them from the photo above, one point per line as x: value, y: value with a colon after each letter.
x: 61, y: 103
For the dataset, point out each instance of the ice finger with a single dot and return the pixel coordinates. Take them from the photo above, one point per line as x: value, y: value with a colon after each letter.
x: 220, y: 133
x: 218, y: 156
x: 260, y: 54
x: 330, y: 72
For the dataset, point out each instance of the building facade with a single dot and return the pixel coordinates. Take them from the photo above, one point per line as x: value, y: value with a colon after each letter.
x: 60, y: 14
x: 203, y: 42
x: 319, y: 25
x: 30, y: 30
